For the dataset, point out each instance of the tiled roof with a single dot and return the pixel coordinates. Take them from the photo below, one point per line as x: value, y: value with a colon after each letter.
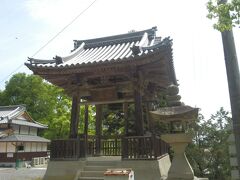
x: 27, y: 123
x: 10, y: 114
x: 11, y: 111
x: 107, y: 49
x: 6, y: 132
x: 23, y: 138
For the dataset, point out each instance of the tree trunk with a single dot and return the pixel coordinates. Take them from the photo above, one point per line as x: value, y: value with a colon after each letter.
x: 232, y: 69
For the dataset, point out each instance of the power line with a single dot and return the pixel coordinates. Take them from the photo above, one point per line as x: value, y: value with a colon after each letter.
x: 11, y: 73
x: 49, y: 41
x: 63, y: 29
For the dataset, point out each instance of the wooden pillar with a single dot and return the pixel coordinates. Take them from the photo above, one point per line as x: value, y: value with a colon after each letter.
x: 74, y: 116
x: 98, y: 128
x: 149, y: 120
x: 126, y: 123
x: 86, y: 128
x: 139, y: 125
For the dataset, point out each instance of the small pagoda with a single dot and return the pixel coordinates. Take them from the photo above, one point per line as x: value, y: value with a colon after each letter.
x: 127, y: 69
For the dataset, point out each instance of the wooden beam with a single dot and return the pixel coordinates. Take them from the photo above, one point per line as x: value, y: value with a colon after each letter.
x: 75, y: 116
x: 107, y: 102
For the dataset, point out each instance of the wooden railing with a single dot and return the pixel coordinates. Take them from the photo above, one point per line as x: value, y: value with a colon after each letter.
x: 133, y: 147
x: 160, y: 147
x: 109, y: 146
x: 67, y: 149
x: 143, y: 147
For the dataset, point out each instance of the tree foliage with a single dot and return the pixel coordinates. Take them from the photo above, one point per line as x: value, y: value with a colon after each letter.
x: 227, y: 15
x: 208, y: 154
x: 44, y: 102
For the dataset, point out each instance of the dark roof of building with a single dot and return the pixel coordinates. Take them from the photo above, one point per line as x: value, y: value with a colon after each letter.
x: 124, y: 47
x: 23, y: 138
x: 12, y: 114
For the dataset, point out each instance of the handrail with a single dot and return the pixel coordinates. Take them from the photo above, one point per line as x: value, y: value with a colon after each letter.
x: 130, y: 147
x: 143, y: 147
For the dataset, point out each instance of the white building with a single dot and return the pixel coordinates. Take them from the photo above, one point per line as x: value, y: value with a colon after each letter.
x: 19, y: 136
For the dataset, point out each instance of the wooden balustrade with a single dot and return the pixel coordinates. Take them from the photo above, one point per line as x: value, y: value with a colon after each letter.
x: 67, y: 149
x: 133, y: 147
x: 110, y: 146
x: 143, y: 147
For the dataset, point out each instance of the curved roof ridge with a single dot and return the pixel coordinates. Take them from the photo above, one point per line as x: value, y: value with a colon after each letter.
x: 15, y: 111
x: 74, y: 53
x: 115, y: 39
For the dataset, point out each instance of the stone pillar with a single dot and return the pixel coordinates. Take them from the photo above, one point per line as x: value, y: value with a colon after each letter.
x: 180, y: 167
x: 233, y: 158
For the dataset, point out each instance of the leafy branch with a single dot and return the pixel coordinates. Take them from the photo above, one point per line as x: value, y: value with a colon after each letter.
x: 226, y: 15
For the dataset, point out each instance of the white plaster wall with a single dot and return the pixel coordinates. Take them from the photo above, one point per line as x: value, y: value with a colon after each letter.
x: 15, y: 128
x: 27, y: 147
x: 44, y: 146
x: 2, y: 147
x: 10, y: 147
x: 24, y: 130
x: 34, y: 147
x: 33, y: 131
x: 39, y: 147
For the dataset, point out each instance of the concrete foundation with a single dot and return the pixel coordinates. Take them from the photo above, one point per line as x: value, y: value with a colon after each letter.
x: 143, y: 169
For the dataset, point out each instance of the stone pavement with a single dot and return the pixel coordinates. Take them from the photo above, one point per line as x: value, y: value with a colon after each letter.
x: 22, y: 173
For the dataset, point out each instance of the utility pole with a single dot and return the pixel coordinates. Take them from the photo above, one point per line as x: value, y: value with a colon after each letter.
x: 233, y: 78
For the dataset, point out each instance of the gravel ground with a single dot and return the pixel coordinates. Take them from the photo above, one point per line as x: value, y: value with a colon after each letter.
x: 22, y: 173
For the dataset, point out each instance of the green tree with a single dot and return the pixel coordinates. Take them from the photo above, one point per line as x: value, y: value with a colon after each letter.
x: 45, y: 103
x: 208, y: 154
x: 226, y: 15
x: 91, y: 120
x: 113, y: 120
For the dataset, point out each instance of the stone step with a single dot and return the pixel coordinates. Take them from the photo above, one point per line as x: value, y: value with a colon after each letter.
x: 92, y: 174
x: 100, y: 163
x: 91, y: 178
x: 97, y: 168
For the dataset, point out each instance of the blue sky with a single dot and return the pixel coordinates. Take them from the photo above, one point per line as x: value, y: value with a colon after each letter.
x: 26, y: 25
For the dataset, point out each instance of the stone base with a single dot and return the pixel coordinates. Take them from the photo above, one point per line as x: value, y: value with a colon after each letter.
x: 143, y: 169
x: 195, y: 178
x: 180, y: 167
